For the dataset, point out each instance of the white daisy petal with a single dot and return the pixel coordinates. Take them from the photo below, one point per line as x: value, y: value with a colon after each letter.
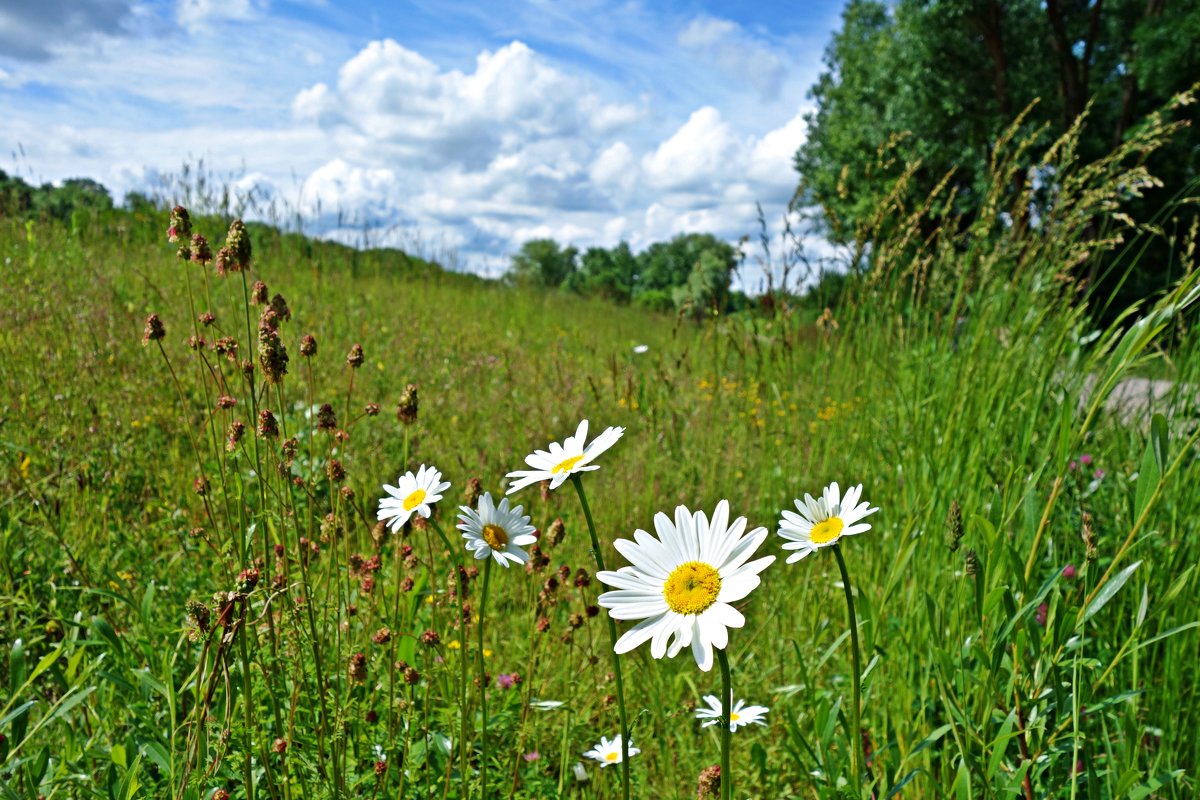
x: 678, y: 584
x: 822, y: 522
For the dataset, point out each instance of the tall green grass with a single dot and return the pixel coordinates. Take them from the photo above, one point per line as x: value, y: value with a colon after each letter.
x: 957, y: 377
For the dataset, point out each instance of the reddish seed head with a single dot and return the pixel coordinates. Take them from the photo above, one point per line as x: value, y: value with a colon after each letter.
x: 380, y: 768
x: 154, y: 330
x: 1069, y: 572
x: 200, y: 486
x: 258, y: 293
x: 1043, y: 612
x: 326, y: 417
x: 226, y: 402
x: 372, y: 409
x: 308, y: 345
x: 206, y: 319
x: 268, y: 426
x: 710, y: 783
x: 279, y: 746
x: 430, y: 638
x: 382, y: 636
x: 407, y: 407
x: 411, y: 676
x: 543, y: 624
x: 220, y: 794
x: 337, y: 473
x: 201, y: 253
x: 358, y: 667
x: 355, y: 357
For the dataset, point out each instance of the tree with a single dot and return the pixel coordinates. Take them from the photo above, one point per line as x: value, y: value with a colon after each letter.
x: 542, y: 262
x: 943, y: 79
x: 611, y: 274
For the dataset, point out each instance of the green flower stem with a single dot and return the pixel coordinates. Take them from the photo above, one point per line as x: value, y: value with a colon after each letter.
x: 461, y: 591
x: 856, y: 742
x: 612, y: 641
x: 487, y: 574
x: 726, y: 711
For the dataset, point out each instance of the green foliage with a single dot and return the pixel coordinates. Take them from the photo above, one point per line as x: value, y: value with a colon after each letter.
x: 692, y: 272
x: 963, y: 369
x: 934, y: 83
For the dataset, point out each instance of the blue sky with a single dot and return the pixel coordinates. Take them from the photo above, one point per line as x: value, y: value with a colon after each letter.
x: 447, y: 126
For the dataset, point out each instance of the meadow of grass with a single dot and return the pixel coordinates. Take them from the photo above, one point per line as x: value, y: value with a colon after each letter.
x: 1026, y: 600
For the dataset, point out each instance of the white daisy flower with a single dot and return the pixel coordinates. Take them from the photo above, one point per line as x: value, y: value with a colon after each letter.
x: 741, y: 715
x: 609, y: 751
x: 497, y: 531
x: 681, y: 584
x: 562, y: 461
x: 823, y: 521
x: 412, y: 494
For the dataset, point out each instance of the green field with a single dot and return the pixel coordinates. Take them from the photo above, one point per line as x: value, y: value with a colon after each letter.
x: 954, y: 378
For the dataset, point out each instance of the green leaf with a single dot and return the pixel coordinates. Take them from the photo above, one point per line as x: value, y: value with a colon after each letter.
x: 16, y: 667
x: 929, y: 740
x: 1154, y: 784
x: 1158, y: 440
x: 1111, y: 588
x: 1147, y: 480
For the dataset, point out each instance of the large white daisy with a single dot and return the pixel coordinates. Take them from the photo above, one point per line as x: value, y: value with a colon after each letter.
x: 412, y: 494
x: 497, y: 531
x: 681, y: 584
x: 821, y: 522
x: 742, y: 714
x: 609, y: 751
x: 562, y: 461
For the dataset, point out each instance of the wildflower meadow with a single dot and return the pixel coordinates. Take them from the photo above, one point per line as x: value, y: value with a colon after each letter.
x: 284, y: 519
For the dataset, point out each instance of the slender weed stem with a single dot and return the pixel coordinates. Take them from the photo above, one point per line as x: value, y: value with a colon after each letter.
x: 612, y: 641
x: 726, y: 733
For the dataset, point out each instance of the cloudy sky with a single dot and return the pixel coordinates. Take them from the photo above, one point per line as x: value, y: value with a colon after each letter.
x: 464, y: 126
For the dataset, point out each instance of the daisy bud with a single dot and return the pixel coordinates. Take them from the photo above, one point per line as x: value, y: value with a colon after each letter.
x: 406, y: 408
x: 954, y: 526
x: 308, y: 345
x: 268, y: 427
x: 358, y: 667
x: 201, y: 253
x: 326, y: 418
x: 710, y: 783
x: 355, y: 357
x: 371, y: 410
x: 154, y: 330
x: 258, y: 294
x: 472, y: 493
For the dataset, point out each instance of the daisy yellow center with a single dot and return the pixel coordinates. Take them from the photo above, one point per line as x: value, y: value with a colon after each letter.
x: 734, y: 717
x: 611, y: 756
x: 566, y: 465
x: 826, y: 531
x: 495, y: 536
x: 415, y: 499
x: 692, y: 587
